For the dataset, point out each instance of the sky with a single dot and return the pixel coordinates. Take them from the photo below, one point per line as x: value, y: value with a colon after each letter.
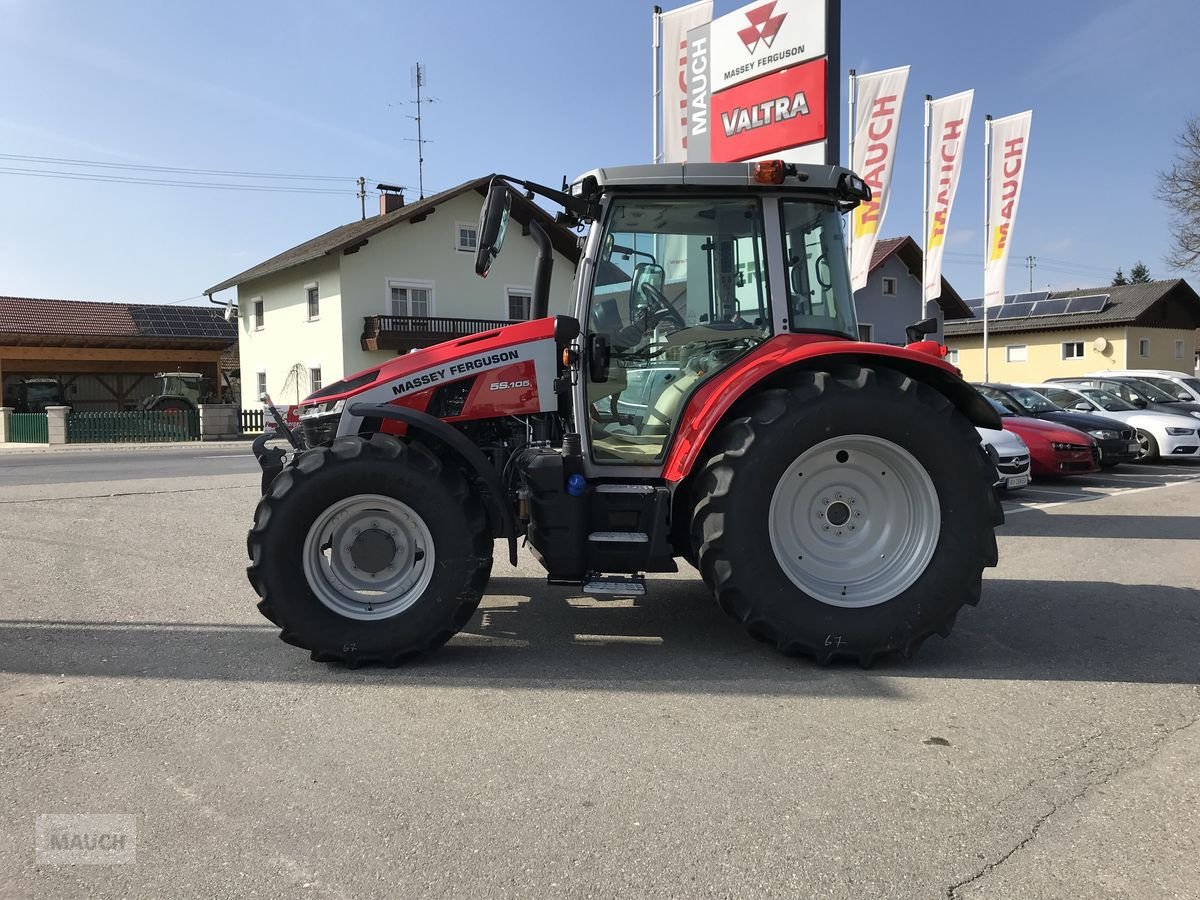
x: 533, y: 89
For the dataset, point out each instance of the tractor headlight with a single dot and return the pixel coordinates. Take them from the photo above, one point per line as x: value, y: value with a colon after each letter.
x: 1103, y: 435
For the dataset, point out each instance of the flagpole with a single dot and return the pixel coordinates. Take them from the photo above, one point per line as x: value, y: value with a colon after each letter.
x: 851, y: 98
x: 657, y: 98
x: 987, y: 229
x: 925, y: 216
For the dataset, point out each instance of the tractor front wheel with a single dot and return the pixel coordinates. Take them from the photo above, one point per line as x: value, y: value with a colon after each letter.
x: 369, y: 551
x: 850, y: 513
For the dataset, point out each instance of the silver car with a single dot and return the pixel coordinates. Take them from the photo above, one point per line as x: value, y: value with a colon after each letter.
x: 1160, y: 434
x: 1009, y: 455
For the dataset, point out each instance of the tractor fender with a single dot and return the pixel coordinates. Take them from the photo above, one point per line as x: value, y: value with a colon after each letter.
x: 709, y: 405
x: 499, y: 513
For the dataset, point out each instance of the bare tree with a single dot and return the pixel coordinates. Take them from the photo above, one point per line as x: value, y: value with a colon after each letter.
x: 1180, y: 190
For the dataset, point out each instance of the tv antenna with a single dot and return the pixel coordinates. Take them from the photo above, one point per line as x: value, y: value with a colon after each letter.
x: 418, y: 82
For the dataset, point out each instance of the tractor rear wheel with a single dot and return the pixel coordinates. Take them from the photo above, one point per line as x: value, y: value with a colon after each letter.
x: 850, y: 513
x: 369, y: 551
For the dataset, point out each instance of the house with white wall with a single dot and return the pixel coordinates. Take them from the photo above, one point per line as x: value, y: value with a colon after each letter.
x: 892, y: 299
x: 366, y: 291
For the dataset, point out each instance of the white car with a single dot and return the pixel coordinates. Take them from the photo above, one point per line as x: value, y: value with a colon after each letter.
x: 1009, y: 455
x: 1159, y: 434
x: 1180, y: 385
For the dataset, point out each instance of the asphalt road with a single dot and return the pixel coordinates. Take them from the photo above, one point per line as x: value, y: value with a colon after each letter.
x: 565, y: 747
x: 81, y: 466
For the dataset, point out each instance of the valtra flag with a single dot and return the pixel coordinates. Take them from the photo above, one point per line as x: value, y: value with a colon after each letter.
x: 947, y: 136
x: 774, y: 112
x: 1010, y: 147
x: 675, y: 26
x: 877, y: 120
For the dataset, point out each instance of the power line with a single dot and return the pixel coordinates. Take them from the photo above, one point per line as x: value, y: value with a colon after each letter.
x: 227, y: 173
x: 211, y: 185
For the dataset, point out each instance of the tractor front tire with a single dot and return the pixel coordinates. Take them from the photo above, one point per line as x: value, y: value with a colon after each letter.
x: 369, y: 551
x: 849, y: 513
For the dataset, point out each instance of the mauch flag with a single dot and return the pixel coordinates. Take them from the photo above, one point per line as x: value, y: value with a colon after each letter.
x: 675, y: 26
x: 948, y: 136
x: 1010, y: 146
x: 880, y: 96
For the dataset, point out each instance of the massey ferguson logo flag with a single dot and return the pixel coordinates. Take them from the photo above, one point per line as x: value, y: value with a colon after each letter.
x: 1009, y: 148
x: 947, y: 135
x: 758, y: 84
x: 879, y: 101
x: 675, y: 26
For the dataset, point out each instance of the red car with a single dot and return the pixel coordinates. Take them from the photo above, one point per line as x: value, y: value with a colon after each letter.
x: 1054, y: 450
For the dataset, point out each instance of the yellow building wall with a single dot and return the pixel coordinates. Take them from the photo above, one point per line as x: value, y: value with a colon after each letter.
x: 1043, y: 354
x: 1162, y: 353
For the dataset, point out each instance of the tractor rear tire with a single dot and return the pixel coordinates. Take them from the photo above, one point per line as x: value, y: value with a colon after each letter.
x: 369, y: 551
x: 849, y: 513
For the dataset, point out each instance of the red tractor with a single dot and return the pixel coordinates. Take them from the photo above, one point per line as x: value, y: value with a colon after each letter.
x: 710, y: 401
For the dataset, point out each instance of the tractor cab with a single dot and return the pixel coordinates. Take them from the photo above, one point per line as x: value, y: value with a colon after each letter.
x: 178, y: 391
x: 35, y: 395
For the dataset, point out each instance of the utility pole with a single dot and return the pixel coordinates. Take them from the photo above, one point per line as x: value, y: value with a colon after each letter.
x: 362, y: 194
x: 1031, y: 262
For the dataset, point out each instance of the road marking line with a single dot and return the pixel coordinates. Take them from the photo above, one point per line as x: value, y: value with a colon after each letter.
x: 1121, y: 494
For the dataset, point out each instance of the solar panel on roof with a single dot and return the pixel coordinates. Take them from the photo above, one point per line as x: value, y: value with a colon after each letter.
x: 1015, y: 310
x: 1049, y: 308
x: 1031, y: 297
x: 1090, y: 304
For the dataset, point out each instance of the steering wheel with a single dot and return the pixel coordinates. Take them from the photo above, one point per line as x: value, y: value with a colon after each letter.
x: 664, y: 308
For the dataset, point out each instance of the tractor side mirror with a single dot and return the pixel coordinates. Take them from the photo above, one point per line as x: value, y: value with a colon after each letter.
x: 599, y: 357
x: 918, y: 330
x: 493, y: 222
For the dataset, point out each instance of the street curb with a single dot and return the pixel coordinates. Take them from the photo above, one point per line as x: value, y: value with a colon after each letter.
x: 88, y: 448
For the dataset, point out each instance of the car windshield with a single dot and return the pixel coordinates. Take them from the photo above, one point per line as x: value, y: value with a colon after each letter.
x: 1000, y: 407
x: 1107, y: 401
x: 1032, y: 401
x: 1147, y: 391
x: 1170, y: 387
x: 1193, y: 383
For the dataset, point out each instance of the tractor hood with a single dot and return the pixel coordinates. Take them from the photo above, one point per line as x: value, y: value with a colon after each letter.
x: 448, y: 361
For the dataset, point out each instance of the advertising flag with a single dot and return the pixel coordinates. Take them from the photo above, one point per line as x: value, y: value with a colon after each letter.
x: 948, y: 136
x: 877, y: 119
x: 1009, y: 149
x: 675, y: 26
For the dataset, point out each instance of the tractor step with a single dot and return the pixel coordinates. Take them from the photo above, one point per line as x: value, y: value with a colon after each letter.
x: 616, y: 585
x: 620, y: 537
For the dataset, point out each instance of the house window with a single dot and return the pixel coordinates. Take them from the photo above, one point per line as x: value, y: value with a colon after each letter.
x: 313, y: 294
x: 465, y: 236
x: 1179, y: 349
x: 1072, y: 350
x: 258, y: 314
x: 410, y: 298
x: 952, y: 356
x: 866, y: 332
x: 890, y: 286
x: 262, y: 383
x: 314, y: 378
x: 1144, y: 347
x: 518, y: 303
x: 1015, y: 353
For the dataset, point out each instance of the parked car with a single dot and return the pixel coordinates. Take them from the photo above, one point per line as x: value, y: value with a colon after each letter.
x: 1141, y: 394
x: 1054, y: 450
x: 1009, y: 455
x: 1158, y: 434
x: 1116, y: 440
x: 1179, y: 384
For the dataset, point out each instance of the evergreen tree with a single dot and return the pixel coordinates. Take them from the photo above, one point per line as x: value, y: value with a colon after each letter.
x: 1120, y: 278
x: 1139, y: 274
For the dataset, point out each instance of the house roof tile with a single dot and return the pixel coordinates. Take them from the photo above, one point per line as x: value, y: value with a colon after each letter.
x: 88, y: 318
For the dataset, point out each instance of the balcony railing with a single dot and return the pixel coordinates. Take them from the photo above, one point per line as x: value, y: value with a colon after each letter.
x: 404, y: 333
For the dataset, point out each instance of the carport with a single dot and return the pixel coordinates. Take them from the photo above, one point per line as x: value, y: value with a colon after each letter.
x: 105, y: 353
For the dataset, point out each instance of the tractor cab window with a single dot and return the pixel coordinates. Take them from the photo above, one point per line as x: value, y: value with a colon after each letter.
x: 680, y: 291
x: 818, y: 281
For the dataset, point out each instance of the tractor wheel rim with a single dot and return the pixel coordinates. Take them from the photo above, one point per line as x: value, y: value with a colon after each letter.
x: 368, y: 557
x: 854, y: 521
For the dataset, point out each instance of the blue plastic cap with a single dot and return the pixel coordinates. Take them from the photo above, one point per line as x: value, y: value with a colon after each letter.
x: 576, y: 485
